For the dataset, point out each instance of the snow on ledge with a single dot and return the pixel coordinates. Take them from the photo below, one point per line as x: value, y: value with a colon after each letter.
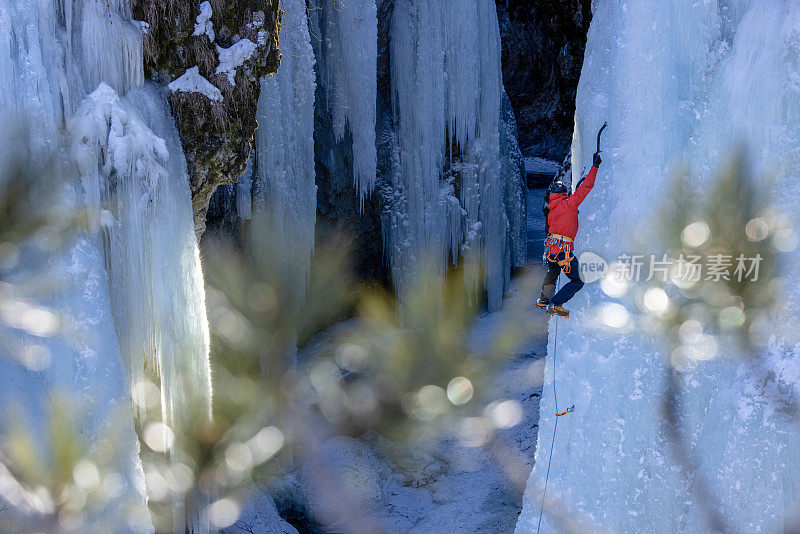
x: 235, y: 56
x: 534, y: 165
x: 192, y: 82
x: 203, y: 24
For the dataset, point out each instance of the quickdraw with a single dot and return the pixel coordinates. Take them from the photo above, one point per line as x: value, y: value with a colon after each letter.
x: 569, y: 410
x: 562, y: 244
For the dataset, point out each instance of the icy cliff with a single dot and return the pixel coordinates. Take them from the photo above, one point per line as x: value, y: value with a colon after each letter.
x: 675, y: 80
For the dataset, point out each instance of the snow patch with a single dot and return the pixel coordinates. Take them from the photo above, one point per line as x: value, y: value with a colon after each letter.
x: 203, y: 24
x: 534, y: 165
x: 193, y: 82
x: 234, y: 57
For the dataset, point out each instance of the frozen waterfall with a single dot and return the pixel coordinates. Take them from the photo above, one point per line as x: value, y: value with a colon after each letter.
x: 674, y: 80
x: 350, y: 48
x: 284, y: 195
x: 131, y: 288
x: 156, y: 281
x: 446, y: 198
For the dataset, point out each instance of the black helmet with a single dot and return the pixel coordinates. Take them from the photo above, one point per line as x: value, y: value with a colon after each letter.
x: 558, y: 187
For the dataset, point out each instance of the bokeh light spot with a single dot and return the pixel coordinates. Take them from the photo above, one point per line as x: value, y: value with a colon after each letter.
x: 459, y: 390
x: 695, y: 234
x: 756, y: 229
x: 159, y: 437
x: 614, y: 315
x: 507, y: 414
x: 223, y: 513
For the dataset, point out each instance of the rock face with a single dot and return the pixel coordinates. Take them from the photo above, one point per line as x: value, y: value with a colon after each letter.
x: 232, y: 48
x: 543, y: 45
x: 516, y: 194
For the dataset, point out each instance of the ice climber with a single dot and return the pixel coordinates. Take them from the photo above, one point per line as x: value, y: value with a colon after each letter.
x: 561, y: 211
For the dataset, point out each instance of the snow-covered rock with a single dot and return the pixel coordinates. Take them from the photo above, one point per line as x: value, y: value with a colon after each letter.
x: 215, y: 133
x: 259, y: 515
x: 534, y: 165
x: 444, y: 484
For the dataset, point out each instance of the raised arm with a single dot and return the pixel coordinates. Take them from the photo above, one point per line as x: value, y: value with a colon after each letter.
x: 585, y: 186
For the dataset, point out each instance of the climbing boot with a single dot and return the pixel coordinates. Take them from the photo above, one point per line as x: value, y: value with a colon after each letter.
x: 554, y: 309
x: 542, y: 301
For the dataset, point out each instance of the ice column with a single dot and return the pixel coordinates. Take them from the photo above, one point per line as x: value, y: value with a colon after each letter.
x: 446, y: 95
x: 132, y: 283
x: 674, y: 80
x: 156, y: 281
x: 351, y: 54
x: 285, y: 195
x: 51, y: 55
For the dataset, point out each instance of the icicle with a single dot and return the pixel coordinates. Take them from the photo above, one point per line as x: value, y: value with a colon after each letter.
x: 244, y: 190
x: 111, y: 45
x: 485, y: 151
x: 462, y: 25
x: 418, y: 98
x: 516, y: 194
x: 351, y: 49
x: 446, y: 95
x: 285, y: 197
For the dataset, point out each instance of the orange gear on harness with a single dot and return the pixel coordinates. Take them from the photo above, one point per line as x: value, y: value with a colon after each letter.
x: 556, y: 244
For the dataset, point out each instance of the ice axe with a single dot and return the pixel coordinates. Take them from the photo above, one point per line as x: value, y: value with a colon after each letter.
x: 599, y: 133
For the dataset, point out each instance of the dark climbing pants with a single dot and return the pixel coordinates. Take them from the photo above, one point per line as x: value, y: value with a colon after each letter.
x: 568, y: 291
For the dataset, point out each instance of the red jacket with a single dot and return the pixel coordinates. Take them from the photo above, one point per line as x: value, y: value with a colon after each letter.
x: 563, y: 216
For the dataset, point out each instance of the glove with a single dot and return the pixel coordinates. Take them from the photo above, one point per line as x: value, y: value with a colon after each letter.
x: 596, y: 159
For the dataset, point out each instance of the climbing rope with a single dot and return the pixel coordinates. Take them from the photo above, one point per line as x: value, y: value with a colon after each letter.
x: 555, y: 423
x: 555, y: 390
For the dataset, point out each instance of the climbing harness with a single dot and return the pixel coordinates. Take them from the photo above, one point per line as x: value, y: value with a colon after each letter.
x: 560, y: 244
x: 555, y: 425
